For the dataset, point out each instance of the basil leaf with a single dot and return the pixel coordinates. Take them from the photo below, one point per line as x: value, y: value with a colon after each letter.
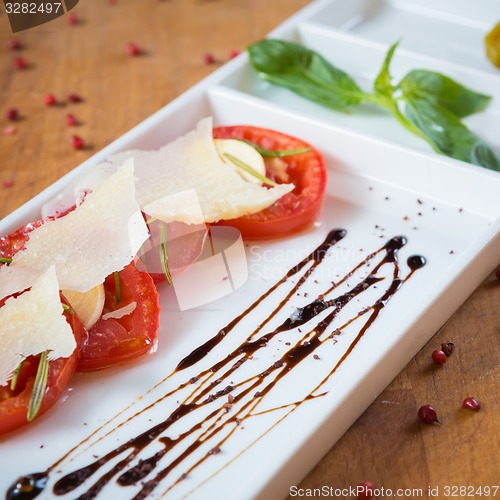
x: 304, y: 72
x: 444, y: 92
x: 383, y: 84
x: 448, y: 135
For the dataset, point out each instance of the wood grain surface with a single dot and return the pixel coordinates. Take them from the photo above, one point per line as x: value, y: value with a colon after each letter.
x: 387, y: 445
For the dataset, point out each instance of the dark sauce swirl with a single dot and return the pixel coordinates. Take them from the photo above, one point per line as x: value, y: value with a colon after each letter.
x: 247, y: 394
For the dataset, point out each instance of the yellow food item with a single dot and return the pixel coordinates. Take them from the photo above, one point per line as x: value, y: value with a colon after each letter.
x: 492, y: 44
x: 87, y: 305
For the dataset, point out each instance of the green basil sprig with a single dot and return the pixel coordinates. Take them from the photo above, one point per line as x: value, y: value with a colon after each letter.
x: 428, y: 104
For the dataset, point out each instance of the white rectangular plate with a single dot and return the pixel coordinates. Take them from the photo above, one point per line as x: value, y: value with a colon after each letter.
x: 379, y: 188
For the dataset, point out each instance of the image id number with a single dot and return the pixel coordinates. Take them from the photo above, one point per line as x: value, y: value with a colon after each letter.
x: 32, y: 8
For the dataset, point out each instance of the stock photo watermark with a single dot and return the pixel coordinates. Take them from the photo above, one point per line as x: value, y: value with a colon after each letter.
x: 362, y: 490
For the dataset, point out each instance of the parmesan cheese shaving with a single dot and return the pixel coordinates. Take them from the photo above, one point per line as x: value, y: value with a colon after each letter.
x: 33, y: 323
x: 163, y: 176
x: 120, y: 313
x: 99, y: 237
x: 192, y: 162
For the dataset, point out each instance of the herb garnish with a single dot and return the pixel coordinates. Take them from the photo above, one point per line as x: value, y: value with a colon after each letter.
x: 5, y: 260
x: 15, y: 376
x: 428, y: 104
x: 118, y: 287
x: 39, y: 387
x: 163, y: 254
x: 67, y: 309
x: 247, y: 168
x: 275, y: 153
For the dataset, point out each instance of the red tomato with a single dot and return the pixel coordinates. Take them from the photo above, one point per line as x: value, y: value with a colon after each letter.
x: 14, y: 404
x: 112, y: 341
x: 12, y: 243
x: 295, y: 210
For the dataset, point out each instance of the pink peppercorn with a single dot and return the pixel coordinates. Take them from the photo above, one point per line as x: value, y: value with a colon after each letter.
x: 74, y: 97
x: 50, y: 99
x: 10, y: 130
x: 73, y: 19
x: 12, y: 114
x: 77, y: 142
x: 20, y: 63
x: 13, y: 44
x: 365, y: 490
x: 209, y: 58
x: 439, y: 357
x: 471, y: 404
x: 71, y: 120
x: 133, y: 49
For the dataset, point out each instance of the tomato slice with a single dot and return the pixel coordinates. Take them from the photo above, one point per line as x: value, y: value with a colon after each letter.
x: 12, y: 243
x: 296, y: 210
x: 111, y: 341
x: 15, y: 241
x: 14, y: 404
x: 116, y: 340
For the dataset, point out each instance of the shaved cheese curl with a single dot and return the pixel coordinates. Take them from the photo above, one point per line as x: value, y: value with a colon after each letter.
x: 33, y: 323
x: 99, y: 237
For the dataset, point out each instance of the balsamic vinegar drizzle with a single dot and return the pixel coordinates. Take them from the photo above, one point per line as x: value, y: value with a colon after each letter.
x: 246, y: 395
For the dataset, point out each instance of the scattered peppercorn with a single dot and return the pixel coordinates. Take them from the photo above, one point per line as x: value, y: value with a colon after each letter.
x: 448, y: 347
x: 209, y: 58
x: 20, y: 63
x: 8, y: 184
x: 77, y: 142
x: 234, y: 53
x: 439, y: 357
x: 365, y: 490
x: 50, y: 99
x: 74, y: 98
x: 73, y: 19
x: 71, y: 120
x: 13, y: 44
x: 133, y: 49
x: 427, y: 414
x: 471, y: 404
x: 12, y: 114
x: 10, y: 130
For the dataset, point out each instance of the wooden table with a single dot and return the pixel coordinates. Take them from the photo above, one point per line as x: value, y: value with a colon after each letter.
x: 387, y: 445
